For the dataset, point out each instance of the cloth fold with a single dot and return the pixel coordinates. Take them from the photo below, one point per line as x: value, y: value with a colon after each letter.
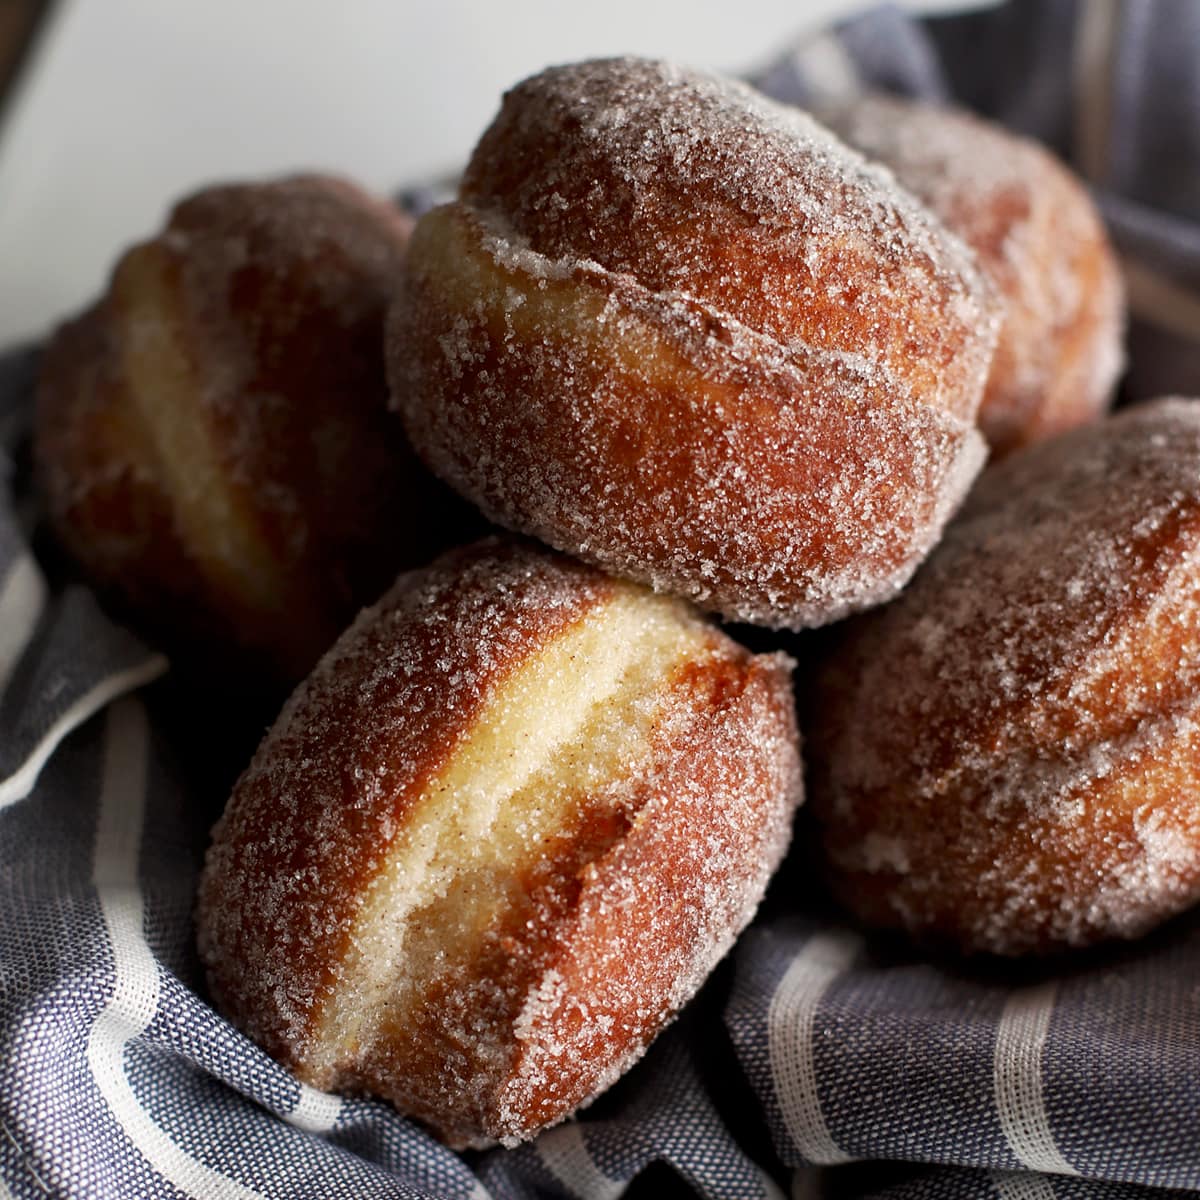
x: 819, y: 1060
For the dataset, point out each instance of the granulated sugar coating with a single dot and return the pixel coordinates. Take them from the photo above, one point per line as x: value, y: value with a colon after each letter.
x: 1038, y: 239
x: 498, y: 838
x: 687, y: 335
x: 1007, y: 756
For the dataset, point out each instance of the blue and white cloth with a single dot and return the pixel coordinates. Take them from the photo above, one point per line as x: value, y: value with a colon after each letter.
x: 819, y: 1061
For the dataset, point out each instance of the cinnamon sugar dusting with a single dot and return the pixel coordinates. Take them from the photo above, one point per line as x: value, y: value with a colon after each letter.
x: 1006, y: 755
x: 212, y: 437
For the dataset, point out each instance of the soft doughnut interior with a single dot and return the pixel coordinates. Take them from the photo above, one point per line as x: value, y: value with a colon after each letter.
x: 161, y: 395
x: 671, y: 341
x: 538, y: 765
x: 522, y: 295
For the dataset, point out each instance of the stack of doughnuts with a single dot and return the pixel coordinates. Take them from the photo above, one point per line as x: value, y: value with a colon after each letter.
x: 714, y: 359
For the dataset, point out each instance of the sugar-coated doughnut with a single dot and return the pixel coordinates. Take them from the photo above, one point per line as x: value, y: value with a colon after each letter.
x: 686, y: 335
x: 212, y: 436
x: 1038, y: 239
x: 497, y: 839
x: 1007, y: 756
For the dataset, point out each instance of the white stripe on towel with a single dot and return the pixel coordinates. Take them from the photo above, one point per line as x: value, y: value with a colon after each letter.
x: 20, y: 783
x: 315, y: 1112
x: 22, y: 599
x: 1020, y: 1042
x: 565, y: 1155
x: 1160, y: 301
x: 1092, y: 70
x: 1021, y: 1185
x: 135, y: 996
x: 790, y: 1028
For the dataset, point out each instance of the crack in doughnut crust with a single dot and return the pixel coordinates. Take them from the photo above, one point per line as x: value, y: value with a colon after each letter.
x: 1006, y: 757
x: 212, y: 438
x: 499, y: 837
x: 685, y: 334
x: 1037, y: 237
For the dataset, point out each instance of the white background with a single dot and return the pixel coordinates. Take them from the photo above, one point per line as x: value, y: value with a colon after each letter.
x: 128, y: 104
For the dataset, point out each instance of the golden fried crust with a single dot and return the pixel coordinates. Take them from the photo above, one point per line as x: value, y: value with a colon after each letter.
x: 374, y: 915
x: 1005, y: 757
x: 685, y: 334
x: 663, y: 905
x: 1039, y: 240
x: 212, y: 436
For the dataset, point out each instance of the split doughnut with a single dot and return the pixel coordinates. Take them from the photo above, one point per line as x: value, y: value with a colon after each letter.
x: 686, y: 335
x: 497, y: 839
x: 212, y: 437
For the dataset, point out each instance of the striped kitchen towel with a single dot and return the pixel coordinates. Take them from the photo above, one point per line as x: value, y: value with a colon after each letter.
x: 819, y: 1061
